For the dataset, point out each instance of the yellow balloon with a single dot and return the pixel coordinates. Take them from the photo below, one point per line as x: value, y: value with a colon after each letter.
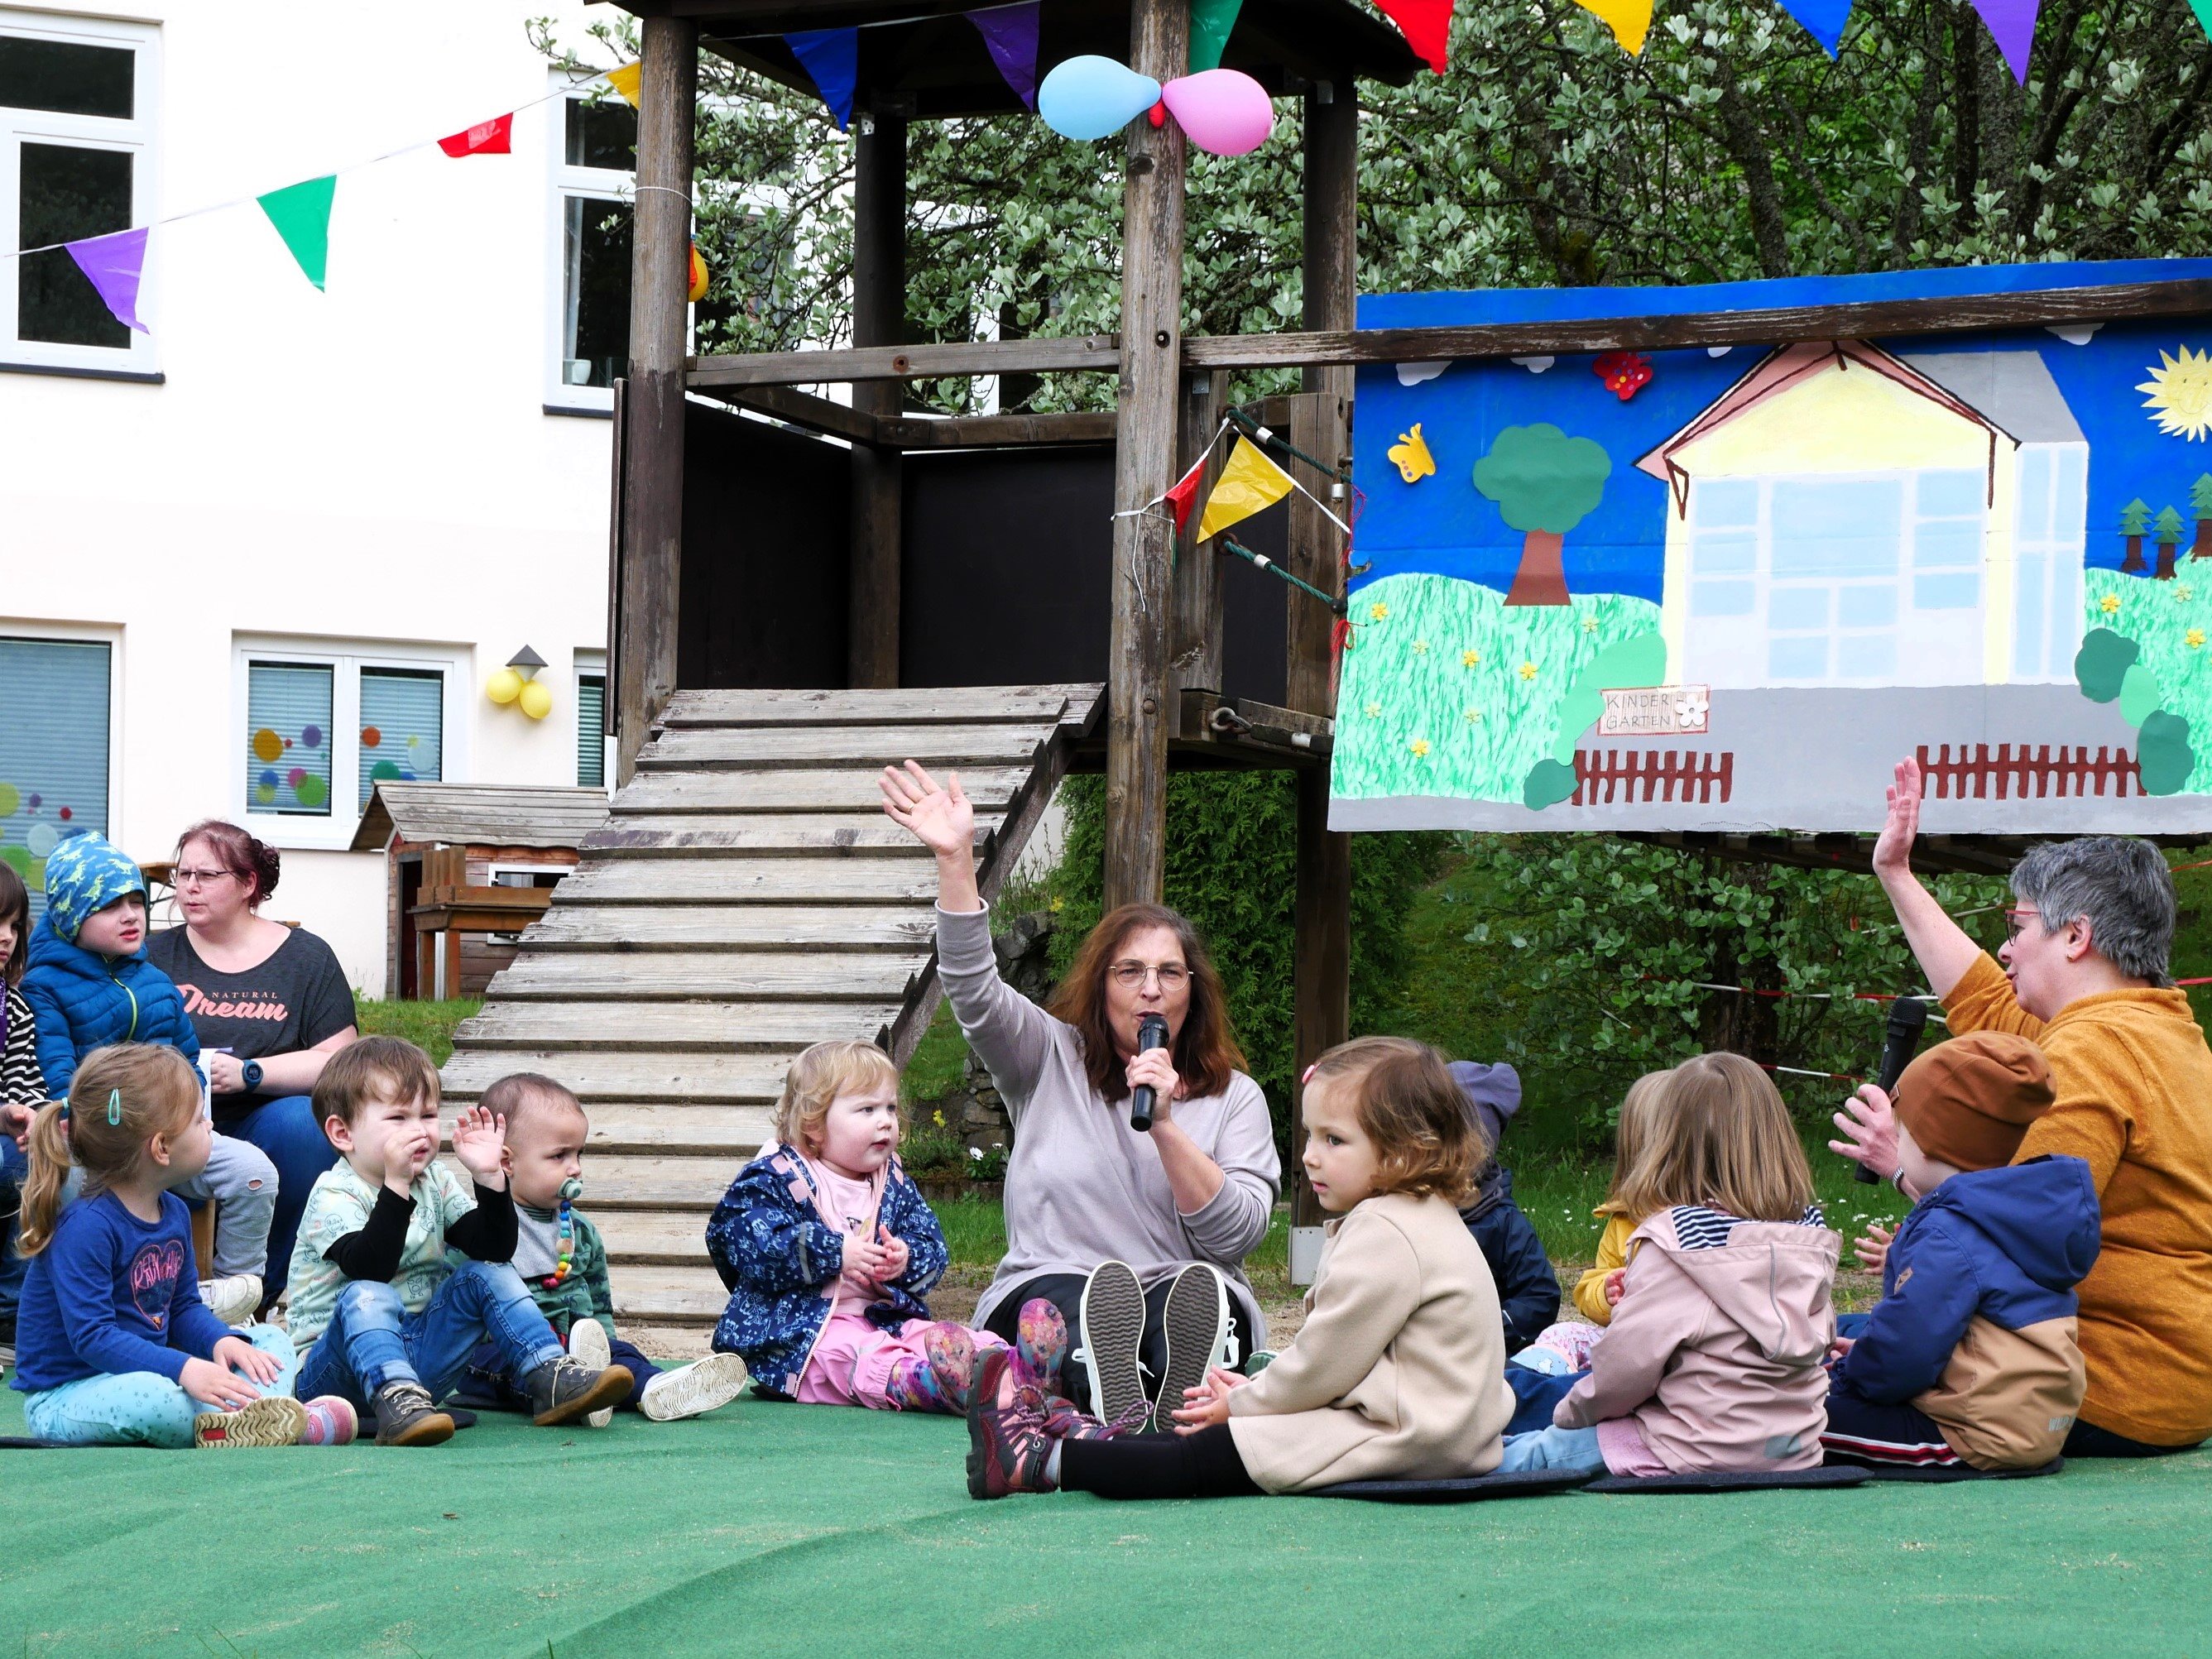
x: 536, y: 701
x: 504, y: 686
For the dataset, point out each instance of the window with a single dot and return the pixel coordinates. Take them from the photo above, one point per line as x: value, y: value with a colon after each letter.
x: 53, y: 769
x: 289, y: 711
x: 591, y: 730
x: 2052, y: 534
x: 76, y: 160
x: 593, y: 179
x: 402, y: 720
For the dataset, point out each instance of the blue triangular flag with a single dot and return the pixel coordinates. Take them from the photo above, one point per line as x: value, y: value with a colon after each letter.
x: 832, y: 57
x: 1823, y: 20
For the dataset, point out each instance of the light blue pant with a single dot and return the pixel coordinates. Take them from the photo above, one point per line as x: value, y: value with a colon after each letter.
x: 372, y: 1340
x: 1551, y: 1448
x: 242, y: 1180
x: 140, y: 1408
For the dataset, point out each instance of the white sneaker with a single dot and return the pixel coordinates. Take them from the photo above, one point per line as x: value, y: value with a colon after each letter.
x: 588, y: 1347
x: 231, y: 1300
x: 694, y: 1390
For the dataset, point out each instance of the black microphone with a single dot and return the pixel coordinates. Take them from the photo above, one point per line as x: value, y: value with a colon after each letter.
x: 1151, y: 1033
x: 1908, y: 1018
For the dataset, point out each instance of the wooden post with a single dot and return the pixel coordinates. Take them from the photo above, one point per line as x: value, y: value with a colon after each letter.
x: 879, y: 319
x: 1195, y: 660
x: 1139, y: 714
x: 1322, y: 995
x: 653, y: 492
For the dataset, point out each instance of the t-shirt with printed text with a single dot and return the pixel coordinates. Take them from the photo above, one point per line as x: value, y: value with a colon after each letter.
x: 339, y: 1203
x: 295, y: 997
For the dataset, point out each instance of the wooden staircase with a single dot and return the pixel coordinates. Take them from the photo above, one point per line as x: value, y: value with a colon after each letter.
x: 746, y: 897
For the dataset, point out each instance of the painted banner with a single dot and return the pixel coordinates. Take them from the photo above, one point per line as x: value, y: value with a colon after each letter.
x: 1806, y: 560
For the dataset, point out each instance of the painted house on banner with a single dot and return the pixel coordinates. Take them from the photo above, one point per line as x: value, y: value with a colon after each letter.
x: 1844, y: 516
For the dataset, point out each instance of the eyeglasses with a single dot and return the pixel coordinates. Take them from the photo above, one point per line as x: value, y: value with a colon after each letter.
x: 199, y: 878
x: 1131, y: 975
x: 2016, y: 920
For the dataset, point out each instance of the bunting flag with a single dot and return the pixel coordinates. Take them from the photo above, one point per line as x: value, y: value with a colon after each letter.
x: 113, y: 264
x: 625, y: 81
x: 1249, y: 483
x: 2012, y: 25
x: 1823, y: 20
x: 1010, y: 33
x: 832, y: 59
x: 301, y: 214
x: 1629, y: 20
x: 492, y: 137
x: 1184, y: 493
x: 1426, y: 25
x: 1211, y: 23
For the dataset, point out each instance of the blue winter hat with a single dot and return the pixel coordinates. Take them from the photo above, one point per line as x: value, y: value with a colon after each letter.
x: 85, y: 873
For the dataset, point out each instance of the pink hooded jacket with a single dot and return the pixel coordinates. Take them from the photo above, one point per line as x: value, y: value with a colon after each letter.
x: 1716, y: 1345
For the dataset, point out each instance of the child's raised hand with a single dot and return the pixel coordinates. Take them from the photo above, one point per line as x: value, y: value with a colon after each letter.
x: 1873, y: 1250
x: 1615, y: 1283
x: 236, y: 1353
x: 479, y: 1137
x: 205, y: 1380
x: 896, y: 1253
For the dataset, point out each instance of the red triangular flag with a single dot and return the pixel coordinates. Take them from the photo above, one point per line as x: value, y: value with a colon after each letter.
x: 1184, y: 496
x: 492, y: 137
x: 1426, y: 25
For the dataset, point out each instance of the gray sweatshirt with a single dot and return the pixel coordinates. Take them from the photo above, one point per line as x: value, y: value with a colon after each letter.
x: 1082, y: 1186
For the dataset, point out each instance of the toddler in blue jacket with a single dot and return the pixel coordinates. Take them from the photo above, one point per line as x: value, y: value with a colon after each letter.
x: 89, y: 984
x: 1528, y: 1289
x: 1971, y: 1356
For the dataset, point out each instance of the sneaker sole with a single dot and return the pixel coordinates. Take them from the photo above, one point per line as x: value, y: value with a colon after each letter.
x: 611, y: 1389
x: 707, y: 1386
x: 275, y: 1421
x: 988, y: 1371
x: 433, y: 1429
x: 588, y: 1345
x: 1112, y: 1315
x: 1196, y: 1320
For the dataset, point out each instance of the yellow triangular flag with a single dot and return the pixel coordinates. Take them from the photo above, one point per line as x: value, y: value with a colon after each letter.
x: 625, y: 79
x: 1250, y: 482
x: 1629, y: 20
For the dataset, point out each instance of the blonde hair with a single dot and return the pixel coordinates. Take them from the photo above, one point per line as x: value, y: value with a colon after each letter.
x: 122, y: 1097
x: 1726, y: 1140
x: 1640, y: 1111
x: 389, y: 1065
x: 1408, y: 1104
x: 817, y: 1077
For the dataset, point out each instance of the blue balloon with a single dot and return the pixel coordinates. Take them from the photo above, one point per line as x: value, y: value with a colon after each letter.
x: 1093, y: 97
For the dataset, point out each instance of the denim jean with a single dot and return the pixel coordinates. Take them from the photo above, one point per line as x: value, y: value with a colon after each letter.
x: 1551, y: 1448
x: 285, y: 1129
x: 242, y: 1181
x: 14, y: 1170
x: 489, y: 1388
x: 141, y: 1408
x: 372, y: 1340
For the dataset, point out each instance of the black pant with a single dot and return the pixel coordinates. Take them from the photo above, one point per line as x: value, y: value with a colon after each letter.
x: 1064, y: 1293
x: 1202, y: 1465
x: 2088, y: 1440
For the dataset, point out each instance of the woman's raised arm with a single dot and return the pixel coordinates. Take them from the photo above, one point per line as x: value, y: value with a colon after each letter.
x: 941, y: 819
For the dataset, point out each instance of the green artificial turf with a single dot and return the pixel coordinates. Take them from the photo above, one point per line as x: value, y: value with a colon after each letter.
x: 778, y: 1530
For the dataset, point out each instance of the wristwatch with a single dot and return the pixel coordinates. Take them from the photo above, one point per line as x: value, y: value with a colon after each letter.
x: 250, y: 1074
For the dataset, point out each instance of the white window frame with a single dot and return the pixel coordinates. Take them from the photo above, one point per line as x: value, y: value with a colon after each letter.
x: 21, y: 628
x: 345, y: 659
x: 569, y: 184
x: 583, y: 661
x: 139, y: 136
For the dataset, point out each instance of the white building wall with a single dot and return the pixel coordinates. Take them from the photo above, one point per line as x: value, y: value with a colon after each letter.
x: 369, y: 466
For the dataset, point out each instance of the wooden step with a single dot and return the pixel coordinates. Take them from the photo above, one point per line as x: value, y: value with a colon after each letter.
x: 732, y: 1134
x: 659, y: 1077
x: 905, y: 928
x: 791, y: 835
x: 934, y: 705
x: 816, y: 789
x: 645, y: 1180
x: 717, y: 1028
x: 874, y: 880
x: 726, y: 975
x: 856, y: 746
x: 673, y: 1295
x: 652, y: 1238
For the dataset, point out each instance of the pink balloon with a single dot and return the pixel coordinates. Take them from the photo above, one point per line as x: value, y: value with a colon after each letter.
x: 1223, y: 112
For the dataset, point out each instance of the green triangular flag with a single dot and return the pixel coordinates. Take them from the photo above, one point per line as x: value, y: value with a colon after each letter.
x: 1210, y: 21
x: 2203, y: 10
x: 301, y: 214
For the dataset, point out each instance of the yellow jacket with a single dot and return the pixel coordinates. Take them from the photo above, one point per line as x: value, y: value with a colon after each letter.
x: 1612, y: 1253
x: 2134, y: 1078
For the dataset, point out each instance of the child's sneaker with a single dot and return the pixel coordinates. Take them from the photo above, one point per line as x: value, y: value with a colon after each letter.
x: 406, y: 1416
x: 274, y: 1420
x: 233, y: 1300
x: 1041, y: 1340
x: 589, y: 1347
x: 1112, y: 1315
x: 331, y: 1421
x: 693, y: 1390
x: 562, y: 1390
x: 1008, y: 1450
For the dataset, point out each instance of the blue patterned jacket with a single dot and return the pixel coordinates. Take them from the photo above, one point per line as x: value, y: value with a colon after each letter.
x: 775, y: 1255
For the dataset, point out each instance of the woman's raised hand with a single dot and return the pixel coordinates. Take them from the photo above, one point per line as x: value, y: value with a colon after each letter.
x: 938, y: 816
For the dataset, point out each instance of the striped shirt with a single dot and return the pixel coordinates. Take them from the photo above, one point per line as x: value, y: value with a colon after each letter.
x: 21, y: 1083
x: 1700, y: 1227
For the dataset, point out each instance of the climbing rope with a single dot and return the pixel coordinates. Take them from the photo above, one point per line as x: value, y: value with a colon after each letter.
x: 1231, y: 544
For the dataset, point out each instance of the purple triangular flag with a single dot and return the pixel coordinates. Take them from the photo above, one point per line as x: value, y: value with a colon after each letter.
x: 1010, y: 33
x: 113, y: 264
x: 2012, y: 25
x: 832, y: 57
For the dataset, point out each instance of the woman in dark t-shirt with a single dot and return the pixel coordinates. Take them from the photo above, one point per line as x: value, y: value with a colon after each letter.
x: 269, y: 1005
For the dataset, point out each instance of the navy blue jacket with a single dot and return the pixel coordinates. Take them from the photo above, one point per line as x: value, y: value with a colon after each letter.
x: 775, y: 1255
x: 1528, y: 1289
x: 82, y: 1002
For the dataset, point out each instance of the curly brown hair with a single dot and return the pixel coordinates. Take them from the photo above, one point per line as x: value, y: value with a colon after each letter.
x: 1207, y: 1053
x: 1409, y: 1105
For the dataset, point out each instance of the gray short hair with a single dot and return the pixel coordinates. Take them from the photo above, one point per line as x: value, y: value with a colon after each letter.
x: 2119, y: 884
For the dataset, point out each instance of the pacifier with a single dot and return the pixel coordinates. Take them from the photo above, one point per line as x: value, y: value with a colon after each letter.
x: 573, y: 1189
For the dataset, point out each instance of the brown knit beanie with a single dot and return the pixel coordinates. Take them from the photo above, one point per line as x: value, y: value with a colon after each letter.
x: 1968, y: 1102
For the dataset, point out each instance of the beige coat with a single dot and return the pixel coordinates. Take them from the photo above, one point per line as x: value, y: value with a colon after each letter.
x: 1399, y: 1372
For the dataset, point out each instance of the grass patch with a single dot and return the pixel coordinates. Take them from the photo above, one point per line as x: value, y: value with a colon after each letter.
x: 427, y: 1025
x: 939, y: 1060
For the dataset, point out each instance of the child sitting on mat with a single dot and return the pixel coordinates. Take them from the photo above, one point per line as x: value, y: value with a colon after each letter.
x: 1398, y: 1371
x: 561, y: 1258
x: 1713, y: 1360
x: 1971, y: 1356
x: 115, y: 1347
x: 828, y: 1250
x: 1528, y: 1289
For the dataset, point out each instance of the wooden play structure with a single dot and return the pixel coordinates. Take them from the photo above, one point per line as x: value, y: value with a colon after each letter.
x: 798, y: 603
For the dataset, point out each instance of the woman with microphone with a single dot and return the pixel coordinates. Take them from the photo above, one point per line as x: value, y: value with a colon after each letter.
x: 1137, y: 1235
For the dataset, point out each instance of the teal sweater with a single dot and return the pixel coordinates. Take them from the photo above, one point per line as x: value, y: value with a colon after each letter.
x: 583, y: 1293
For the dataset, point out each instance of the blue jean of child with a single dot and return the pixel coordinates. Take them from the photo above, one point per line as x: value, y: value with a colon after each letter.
x: 1554, y: 1448
x: 140, y: 1408
x: 373, y: 1340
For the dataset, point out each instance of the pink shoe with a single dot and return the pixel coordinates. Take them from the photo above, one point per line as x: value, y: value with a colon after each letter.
x: 331, y: 1421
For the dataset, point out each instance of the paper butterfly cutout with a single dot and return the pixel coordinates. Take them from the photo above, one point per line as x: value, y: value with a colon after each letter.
x: 1411, y: 452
